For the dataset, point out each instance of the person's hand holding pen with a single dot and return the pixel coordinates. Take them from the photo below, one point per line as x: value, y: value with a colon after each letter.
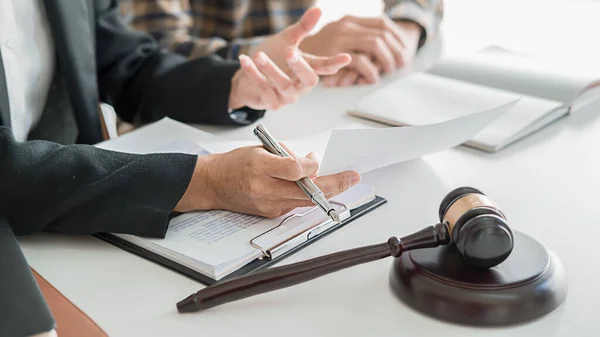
x: 250, y: 180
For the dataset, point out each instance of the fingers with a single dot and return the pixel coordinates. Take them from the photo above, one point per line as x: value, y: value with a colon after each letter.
x: 343, y: 78
x: 313, y: 156
x: 386, y: 29
x: 252, y: 71
x: 379, y: 31
x: 365, y: 67
x: 327, y: 65
x: 375, y: 45
x: 275, y: 76
x: 290, y: 194
x: 276, y: 89
x: 291, y: 169
x: 396, y: 30
x: 335, y: 184
x: 266, y: 95
x: 295, y: 33
x: 360, y: 71
x: 330, y: 185
x: 305, y: 74
x: 395, y: 47
x: 381, y: 23
x: 349, y: 78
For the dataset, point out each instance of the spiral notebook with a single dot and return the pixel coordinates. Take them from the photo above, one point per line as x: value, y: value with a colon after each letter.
x: 210, y: 246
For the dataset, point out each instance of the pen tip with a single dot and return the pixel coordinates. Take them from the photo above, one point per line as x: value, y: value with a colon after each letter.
x: 334, y: 216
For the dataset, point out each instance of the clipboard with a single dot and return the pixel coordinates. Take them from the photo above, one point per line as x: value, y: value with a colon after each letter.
x: 270, y: 255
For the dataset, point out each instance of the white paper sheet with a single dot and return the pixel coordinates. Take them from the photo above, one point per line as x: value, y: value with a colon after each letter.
x: 165, y: 135
x: 362, y: 150
x: 299, y: 146
x: 365, y: 150
x: 368, y: 149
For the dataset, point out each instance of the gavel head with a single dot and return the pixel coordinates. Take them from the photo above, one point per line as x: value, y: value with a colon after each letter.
x: 477, y: 227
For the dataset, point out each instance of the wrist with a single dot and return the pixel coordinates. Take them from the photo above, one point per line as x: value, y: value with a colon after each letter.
x: 199, y: 194
x: 235, y: 101
x: 412, y: 29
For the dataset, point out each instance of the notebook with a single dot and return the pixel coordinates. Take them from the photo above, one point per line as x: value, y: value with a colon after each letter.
x: 210, y: 246
x: 462, y: 85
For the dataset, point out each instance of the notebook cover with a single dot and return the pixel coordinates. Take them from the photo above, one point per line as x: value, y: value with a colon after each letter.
x: 70, y: 320
x: 23, y: 310
x: 250, y: 267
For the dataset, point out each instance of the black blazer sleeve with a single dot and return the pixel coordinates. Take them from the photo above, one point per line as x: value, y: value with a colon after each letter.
x: 144, y: 83
x: 81, y: 189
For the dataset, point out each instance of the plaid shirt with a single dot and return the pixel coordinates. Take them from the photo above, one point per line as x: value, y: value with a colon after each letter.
x: 195, y: 28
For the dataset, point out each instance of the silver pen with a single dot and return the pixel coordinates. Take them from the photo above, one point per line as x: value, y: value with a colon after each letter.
x: 306, y: 184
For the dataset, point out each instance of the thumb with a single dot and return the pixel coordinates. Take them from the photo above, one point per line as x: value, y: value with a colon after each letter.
x: 327, y: 65
x: 314, y: 156
x: 298, y: 31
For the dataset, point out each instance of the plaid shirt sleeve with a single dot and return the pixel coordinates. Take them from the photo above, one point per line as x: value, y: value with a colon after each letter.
x: 426, y: 13
x: 171, y: 22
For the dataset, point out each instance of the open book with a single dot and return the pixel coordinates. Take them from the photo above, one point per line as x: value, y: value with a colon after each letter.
x: 213, y: 245
x: 462, y: 85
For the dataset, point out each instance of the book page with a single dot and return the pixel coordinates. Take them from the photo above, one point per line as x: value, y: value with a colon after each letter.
x: 562, y: 82
x: 214, y: 238
x: 220, y: 241
x: 422, y: 99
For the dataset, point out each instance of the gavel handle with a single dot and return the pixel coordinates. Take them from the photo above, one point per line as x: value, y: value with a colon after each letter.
x: 280, y: 277
x: 289, y: 275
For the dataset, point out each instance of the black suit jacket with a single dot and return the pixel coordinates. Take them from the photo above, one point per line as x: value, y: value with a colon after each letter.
x: 79, y: 188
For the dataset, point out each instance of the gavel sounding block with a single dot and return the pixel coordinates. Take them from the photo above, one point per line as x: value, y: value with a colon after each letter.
x: 530, y: 283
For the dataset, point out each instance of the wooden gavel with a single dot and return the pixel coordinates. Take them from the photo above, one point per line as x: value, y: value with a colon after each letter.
x: 468, y: 218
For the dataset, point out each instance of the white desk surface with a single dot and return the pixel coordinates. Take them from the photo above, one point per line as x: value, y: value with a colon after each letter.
x: 547, y: 184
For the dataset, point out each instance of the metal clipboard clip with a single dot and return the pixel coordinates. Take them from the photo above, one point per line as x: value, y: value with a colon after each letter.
x: 324, y: 224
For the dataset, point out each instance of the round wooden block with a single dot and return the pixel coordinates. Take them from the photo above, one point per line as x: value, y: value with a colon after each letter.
x: 530, y: 283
